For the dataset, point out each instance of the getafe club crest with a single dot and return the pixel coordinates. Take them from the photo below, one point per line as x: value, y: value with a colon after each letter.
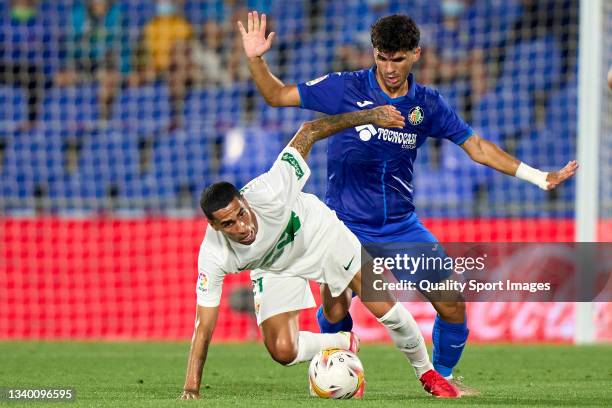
x: 415, y: 116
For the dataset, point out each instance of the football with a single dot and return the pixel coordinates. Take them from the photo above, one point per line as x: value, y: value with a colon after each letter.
x: 336, y: 374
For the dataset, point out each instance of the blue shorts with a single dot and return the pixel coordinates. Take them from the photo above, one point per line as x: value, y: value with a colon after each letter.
x: 407, y: 238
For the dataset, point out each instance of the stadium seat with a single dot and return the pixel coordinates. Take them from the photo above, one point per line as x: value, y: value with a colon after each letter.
x: 248, y: 152
x: 506, y: 110
x: 143, y: 109
x: 440, y: 193
x: 533, y: 65
x: 13, y: 104
x: 487, y: 22
x: 16, y: 182
x: 72, y: 108
x: 215, y: 119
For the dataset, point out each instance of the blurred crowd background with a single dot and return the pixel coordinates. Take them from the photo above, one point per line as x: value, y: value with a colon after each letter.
x: 132, y: 107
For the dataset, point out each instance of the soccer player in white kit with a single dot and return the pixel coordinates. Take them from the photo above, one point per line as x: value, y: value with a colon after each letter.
x: 288, y: 237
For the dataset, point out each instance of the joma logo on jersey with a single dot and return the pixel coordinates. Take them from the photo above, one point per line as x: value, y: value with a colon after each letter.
x: 407, y: 140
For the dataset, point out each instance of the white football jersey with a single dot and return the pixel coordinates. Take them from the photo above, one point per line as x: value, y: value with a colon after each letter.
x: 295, y: 231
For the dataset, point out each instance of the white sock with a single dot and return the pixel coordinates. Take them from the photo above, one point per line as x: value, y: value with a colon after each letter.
x: 309, y: 344
x: 406, y: 335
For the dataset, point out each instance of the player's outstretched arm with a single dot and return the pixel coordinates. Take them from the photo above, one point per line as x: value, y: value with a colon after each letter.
x: 206, y: 319
x: 255, y: 45
x: 311, y: 132
x: 485, y: 152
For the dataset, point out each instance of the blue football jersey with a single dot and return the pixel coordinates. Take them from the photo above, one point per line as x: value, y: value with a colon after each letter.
x: 370, y: 169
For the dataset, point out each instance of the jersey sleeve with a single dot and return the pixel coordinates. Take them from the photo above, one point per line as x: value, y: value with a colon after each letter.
x: 210, y: 282
x: 323, y: 94
x: 283, y: 182
x: 449, y: 125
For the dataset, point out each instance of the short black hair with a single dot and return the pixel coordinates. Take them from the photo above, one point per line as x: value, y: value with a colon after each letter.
x: 394, y: 33
x: 217, y: 196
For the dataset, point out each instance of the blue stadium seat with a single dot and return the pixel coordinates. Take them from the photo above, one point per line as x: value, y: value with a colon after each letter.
x: 74, y: 191
x: 248, y: 152
x: 137, y: 14
x: 553, y: 143
x: 71, y: 108
x: 143, y: 109
x: 15, y: 181
x: 313, y: 59
x: 198, y: 106
x: 38, y: 156
x: 317, y: 161
x: 562, y: 110
x: 13, y: 103
x: 488, y: 21
x: 533, y: 65
x: 506, y: 110
x: 288, y: 19
x: 440, y: 193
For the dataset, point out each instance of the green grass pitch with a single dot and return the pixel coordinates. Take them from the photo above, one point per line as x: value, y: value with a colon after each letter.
x: 151, y: 375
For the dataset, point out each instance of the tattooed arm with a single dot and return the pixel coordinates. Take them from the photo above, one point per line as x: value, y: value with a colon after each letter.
x: 313, y: 131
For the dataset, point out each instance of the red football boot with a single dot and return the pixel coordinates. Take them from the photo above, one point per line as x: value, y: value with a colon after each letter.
x: 438, y: 386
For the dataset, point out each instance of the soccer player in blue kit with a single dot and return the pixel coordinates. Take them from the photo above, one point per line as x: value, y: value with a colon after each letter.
x: 370, y: 170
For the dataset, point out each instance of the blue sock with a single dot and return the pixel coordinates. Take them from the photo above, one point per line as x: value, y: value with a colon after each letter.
x: 448, y: 343
x: 345, y: 324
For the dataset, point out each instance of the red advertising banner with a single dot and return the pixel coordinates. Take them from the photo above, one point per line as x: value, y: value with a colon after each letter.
x: 135, y: 279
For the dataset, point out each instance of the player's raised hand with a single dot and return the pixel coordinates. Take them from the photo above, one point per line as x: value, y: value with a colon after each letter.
x: 555, y: 178
x: 254, y: 38
x: 387, y: 116
x: 187, y: 395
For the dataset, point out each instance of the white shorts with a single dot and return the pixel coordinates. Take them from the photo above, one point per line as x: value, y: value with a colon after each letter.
x: 333, y: 252
x: 342, y: 259
x: 275, y: 294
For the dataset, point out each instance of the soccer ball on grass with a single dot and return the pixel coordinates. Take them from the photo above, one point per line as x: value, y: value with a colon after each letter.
x: 337, y: 374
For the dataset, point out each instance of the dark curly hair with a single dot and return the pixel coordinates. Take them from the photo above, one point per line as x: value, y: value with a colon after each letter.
x: 394, y: 33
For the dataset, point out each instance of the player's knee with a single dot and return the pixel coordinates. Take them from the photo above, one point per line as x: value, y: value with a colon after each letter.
x: 282, y: 350
x: 335, y: 309
x: 334, y: 313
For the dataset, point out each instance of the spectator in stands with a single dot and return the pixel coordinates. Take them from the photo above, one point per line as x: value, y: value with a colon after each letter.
x: 236, y: 68
x: 209, y: 55
x: 95, y: 47
x: 353, y: 56
x: 166, y: 52
x: 450, y: 54
x: 24, y: 46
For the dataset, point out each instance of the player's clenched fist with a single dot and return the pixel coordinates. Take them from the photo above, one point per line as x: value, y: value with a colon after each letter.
x: 387, y: 116
x: 254, y: 38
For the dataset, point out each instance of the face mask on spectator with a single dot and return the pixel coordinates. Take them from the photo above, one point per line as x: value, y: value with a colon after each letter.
x: 165, y: 8
x: 452, y: 8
